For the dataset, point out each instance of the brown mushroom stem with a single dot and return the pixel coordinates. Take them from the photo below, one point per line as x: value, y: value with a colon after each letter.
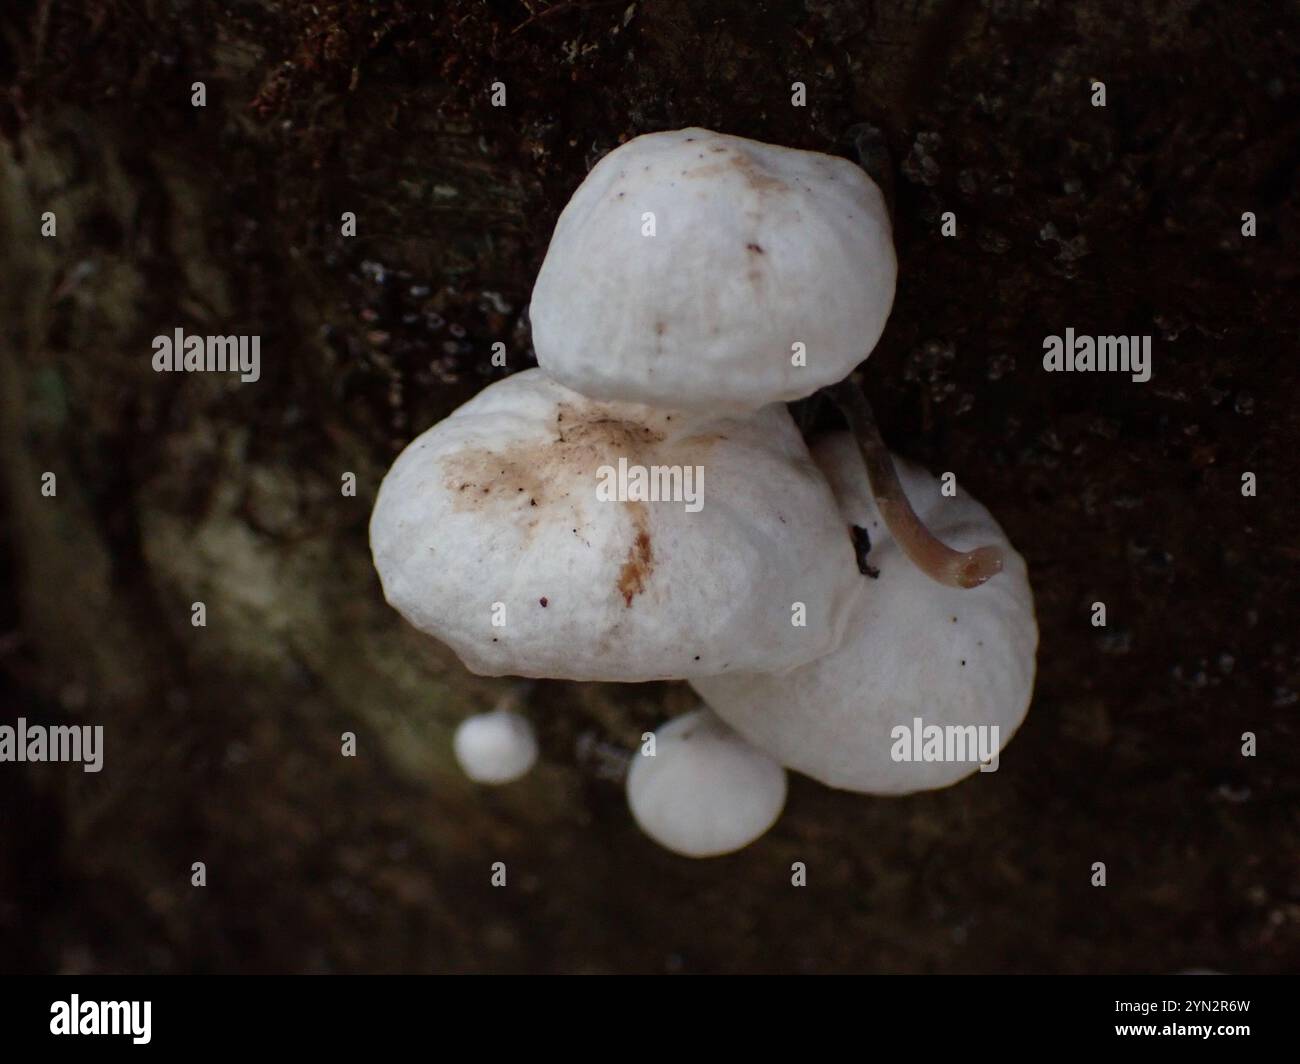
x: 938, y: 561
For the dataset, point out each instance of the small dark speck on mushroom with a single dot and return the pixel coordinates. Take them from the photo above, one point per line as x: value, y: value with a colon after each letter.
x: 532, y: 502
x: 544, y: 601
x: 954, y: 620
x: 697, y: 657
x: 755, y: 248
x: 963, y: 662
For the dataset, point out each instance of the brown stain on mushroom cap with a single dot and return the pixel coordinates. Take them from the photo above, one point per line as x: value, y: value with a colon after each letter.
x: 517, y: 482
x: 479, y: 480
x: 640, y: 562
x: 758, y: 178
x: 531, y: 473
x: 601, y: 433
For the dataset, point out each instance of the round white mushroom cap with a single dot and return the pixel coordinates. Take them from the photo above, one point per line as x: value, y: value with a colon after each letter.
x: 706, y: 791
x: 917, y: 656
x: 755, y: 249
x: 495, y: 747
x: 490, y: 532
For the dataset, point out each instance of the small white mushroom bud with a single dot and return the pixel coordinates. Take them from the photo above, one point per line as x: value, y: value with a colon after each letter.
x: 755, y: 248
x: 706, y: 791
x: 496, y: 747
x: 950, y: 657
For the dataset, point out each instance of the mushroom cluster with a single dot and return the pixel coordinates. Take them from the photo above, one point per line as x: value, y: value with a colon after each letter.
x: 643, y: 507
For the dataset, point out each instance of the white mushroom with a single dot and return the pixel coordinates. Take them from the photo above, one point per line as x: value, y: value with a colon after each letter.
x: 490, y: 533
x: 918, y: 655
x: 695, y: 269
x: 495, y: 747
x: 706, y: 791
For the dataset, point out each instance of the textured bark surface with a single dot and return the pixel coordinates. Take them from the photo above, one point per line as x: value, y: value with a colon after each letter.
x: 223, y: 742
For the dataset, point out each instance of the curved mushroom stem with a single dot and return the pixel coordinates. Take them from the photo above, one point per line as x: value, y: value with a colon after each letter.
x: 939, y: 562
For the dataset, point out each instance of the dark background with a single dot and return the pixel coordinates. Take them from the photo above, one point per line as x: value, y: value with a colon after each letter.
x: 222, y: 743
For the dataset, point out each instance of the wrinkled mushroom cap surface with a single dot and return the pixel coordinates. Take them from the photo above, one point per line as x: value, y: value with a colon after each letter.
x: 497, y: 504
x: 495, y: 747
x: 755, y: 248
x: 706, y: 791
x: 914, y: 648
